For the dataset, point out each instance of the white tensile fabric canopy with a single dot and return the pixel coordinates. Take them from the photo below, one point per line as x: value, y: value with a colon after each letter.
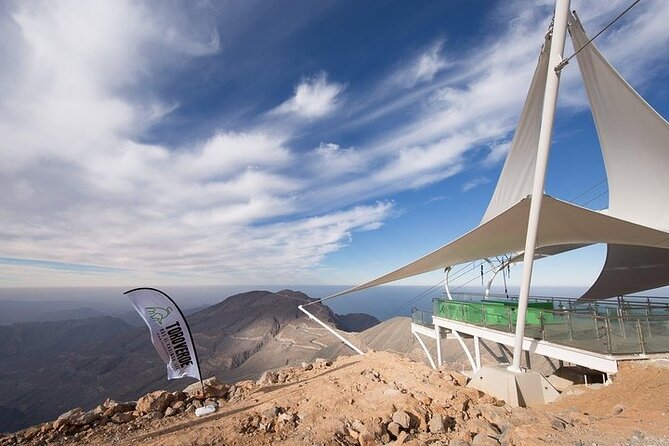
x: 634, y: 140
x: 515, y: 181
x: 635, y: 146
x: 630, y: 269
x: 633, y: 137
x: 560, y: 223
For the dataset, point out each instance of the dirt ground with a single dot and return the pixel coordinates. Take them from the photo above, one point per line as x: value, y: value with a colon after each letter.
x: 355, y: 400
x: 637, y: 401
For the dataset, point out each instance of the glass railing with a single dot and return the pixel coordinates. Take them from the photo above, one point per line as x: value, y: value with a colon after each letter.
x: 421, y: 317
x: 607, y: 332
x: 620, y: 306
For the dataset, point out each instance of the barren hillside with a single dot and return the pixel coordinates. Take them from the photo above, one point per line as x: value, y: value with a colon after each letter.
x: 51, y: 366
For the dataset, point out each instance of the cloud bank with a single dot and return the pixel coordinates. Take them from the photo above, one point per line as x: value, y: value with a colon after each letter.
x: 254, y: 204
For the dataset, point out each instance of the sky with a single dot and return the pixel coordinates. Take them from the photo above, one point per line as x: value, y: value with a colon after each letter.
x: 145, y: 143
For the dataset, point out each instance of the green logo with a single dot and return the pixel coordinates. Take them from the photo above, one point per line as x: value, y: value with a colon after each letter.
x: 158, y: 314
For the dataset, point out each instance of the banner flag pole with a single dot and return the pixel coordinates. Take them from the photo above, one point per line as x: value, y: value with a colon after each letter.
x: 170, y: 333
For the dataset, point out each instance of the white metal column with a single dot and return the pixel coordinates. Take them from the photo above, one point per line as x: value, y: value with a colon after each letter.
x: 477, y: 352
x: 340, y: 337
x: 466, y: 350
x: 447, y: 271
x: 547, y: 119
x: 427, y: 352
x: 437, y: 328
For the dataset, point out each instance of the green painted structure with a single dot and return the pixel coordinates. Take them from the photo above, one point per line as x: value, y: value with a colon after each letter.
x: 494, y: 312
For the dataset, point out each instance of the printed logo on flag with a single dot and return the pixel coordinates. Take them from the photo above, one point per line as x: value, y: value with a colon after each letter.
x: 158, y: 314
x: 170, y: 334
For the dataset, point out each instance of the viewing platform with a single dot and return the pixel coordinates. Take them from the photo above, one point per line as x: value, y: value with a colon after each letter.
x: 594, y: 334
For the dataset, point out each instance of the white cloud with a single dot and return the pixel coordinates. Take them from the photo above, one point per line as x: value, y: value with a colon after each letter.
x: 418, y: 166
x: 233, y: 207
x: 314, y: 98
x: 78, y: 188
x: 498, y: 151
x: 159, y: 251
x: 424, y: 67
x: 473, y: 183
x: 328, y: 160
x: 225, y: 153
x: 473, y: 105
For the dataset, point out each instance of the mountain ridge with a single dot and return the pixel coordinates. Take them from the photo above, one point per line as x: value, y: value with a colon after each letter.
x: 76, y: 363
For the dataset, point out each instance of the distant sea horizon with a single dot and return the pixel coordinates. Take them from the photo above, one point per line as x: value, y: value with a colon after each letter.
x: 383, y: 302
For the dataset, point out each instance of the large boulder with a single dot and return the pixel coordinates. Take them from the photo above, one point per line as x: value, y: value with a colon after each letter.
x: 268, y: 378
x: 122, y: 417
x: 77, y: 417
x: 156, y: 401
x: 240, y: 390
x: 213, y: 388
x: 110, y: 407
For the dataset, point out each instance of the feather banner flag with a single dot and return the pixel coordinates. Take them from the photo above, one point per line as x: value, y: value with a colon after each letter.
x: 170, y: 333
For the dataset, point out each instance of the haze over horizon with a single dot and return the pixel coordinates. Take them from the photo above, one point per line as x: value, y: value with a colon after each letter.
x: 243, y: 143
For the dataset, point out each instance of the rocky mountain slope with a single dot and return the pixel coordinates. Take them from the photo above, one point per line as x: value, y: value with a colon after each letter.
x: 16, y: 311
x: 377, y: 399
x: 51, y: 366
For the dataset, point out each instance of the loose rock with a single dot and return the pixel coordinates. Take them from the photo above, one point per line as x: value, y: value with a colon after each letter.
x: 156, y: 401
x: 213, y: 388
x: 402, y: 418
x: 436, y: 423
x: 394, y: 429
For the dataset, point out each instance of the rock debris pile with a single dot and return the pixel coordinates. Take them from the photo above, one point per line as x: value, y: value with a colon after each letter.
x: 79, y: 425
x: 378, y: 399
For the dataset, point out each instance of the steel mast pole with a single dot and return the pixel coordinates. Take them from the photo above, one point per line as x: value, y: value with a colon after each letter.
x: 547, y: 119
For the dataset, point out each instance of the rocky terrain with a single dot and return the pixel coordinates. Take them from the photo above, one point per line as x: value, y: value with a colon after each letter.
x: 49, y: 367
x: 379, y: 398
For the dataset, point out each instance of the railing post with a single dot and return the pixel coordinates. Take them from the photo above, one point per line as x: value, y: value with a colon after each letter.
x: 571, y: 328
x: 607, y: 327
x: 438, y: 330
x: 508, y: 319
x: 541, y: 321
x: 641, y: 339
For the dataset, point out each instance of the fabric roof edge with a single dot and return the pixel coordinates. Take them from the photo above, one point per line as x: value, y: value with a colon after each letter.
x: 630, y: 269
x: 561, y: 223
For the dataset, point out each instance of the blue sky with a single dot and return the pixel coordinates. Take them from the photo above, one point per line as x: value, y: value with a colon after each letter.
x: 300, y: 142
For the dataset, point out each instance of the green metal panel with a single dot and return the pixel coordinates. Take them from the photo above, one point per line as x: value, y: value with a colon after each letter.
x: 599, y: 329
x: 492, y: 312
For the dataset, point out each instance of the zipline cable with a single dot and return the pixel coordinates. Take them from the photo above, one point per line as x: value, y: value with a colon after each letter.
x: 573, y: 200
x: 564, y: 62
x: 596, y: 197
x: 459, y: 273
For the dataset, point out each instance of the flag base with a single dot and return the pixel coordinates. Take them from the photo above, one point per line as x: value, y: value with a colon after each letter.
x: 205, y: 410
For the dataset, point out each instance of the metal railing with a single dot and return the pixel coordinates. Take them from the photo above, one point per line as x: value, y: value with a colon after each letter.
x: 421, y: 317
x: 621, y: 306
x: 633, y: 330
